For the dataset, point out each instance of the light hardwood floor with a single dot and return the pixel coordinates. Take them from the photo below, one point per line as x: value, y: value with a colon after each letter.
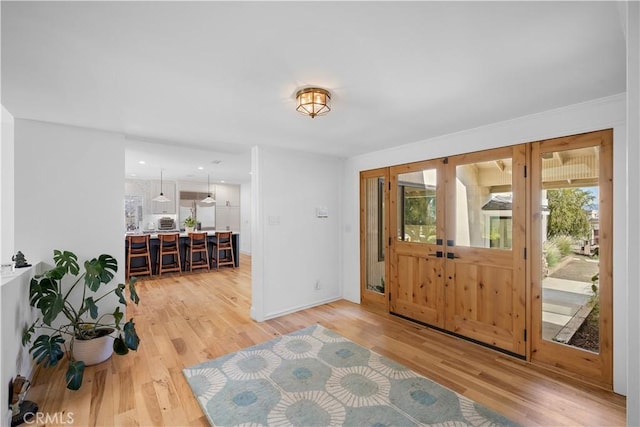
x: 186, y: 319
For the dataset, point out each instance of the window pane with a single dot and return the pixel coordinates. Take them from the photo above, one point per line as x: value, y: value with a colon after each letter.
x: 483, y: 204
x: 570, y: 236
x: 374, y: 245
x: 417, y: 206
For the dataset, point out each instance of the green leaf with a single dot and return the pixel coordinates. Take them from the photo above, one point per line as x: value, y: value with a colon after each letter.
x: 67, y: 260
x: 27, y: 333
x: 130, y: 336
x: 56, y: 273
x: 51, y: 305
x: 119, y: 347
x: 120, y: 292
x: 45, y: 296
x: 132, y: 290
x: 92, y: 307
x: 47, y: 350
x: 35, y: 289
x: 100, y: 270
x: 40, y: 288
x: 75, y: 372
x: 117, y: 316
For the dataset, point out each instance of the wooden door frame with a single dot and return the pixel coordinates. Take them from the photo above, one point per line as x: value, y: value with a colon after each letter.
x: 374, y: 301
x: 589, y: 367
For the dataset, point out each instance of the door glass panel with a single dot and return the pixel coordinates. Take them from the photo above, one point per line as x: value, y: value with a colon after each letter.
x: 570, y: 225
x: 417, y: 206
x: 375, y: 234
x: 483, y: 204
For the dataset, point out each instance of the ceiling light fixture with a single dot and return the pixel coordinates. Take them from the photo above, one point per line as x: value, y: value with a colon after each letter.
x: 208, y: 199
x: 161, y: 197
x: 313, y: 101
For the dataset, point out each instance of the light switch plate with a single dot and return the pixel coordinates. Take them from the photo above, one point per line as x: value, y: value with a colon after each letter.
x: 274, y: 220
x: 322, y: 212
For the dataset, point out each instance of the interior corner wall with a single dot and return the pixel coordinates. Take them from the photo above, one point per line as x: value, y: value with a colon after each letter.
x: 69, y: 192
x: 604, y: 113
x: 7, y: 216
x: 633, y: 160
x: 297, y: 248
x: 245, y: 218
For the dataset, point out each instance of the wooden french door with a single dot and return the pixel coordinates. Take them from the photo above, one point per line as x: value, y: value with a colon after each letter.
x: 476, y: 247
x: 416, y: 211
x: 457, y: 245
x: 572, y: 292
x: 485, y: 247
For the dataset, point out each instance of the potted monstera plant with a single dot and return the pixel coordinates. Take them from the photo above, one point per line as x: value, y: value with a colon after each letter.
x: 71, y: 323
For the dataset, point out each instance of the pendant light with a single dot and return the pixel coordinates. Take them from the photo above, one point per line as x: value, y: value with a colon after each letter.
x: 161, y: 197
x: 208, y: 199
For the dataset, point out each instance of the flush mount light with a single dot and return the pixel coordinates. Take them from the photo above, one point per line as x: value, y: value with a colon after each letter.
x: 142, y: 162
x: 161, y: 197
x: 313, y: 101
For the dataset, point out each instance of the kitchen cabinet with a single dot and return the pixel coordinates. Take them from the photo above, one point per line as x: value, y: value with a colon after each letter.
x: 227, y: 195
x: 228, y: 207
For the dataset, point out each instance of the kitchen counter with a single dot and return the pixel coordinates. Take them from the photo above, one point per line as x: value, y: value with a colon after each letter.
x: 154, y: 243
x: 154, y: 233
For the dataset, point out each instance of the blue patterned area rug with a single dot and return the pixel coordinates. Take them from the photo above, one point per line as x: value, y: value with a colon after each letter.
x: 315, y: 377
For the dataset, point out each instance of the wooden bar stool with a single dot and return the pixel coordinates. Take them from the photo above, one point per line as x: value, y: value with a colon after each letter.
x: 222, y: 253
x: 169, y: 245
x: 197, y: 244
x: 138, y: 247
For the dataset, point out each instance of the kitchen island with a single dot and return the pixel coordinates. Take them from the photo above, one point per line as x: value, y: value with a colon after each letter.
x: 154, y: 243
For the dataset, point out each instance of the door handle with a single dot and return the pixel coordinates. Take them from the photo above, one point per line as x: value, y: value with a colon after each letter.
x: 451, y: 255
x: 438, y: 254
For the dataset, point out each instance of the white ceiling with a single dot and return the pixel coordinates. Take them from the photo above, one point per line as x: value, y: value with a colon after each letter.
x: 221, y: 76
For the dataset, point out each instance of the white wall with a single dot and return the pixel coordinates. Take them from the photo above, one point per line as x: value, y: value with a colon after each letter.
x: 293, y: 247
x: 595, y: 115
x: 7, y: 188
x: 10, y: 353
x: 69, y: 188
x: 633, y: 160
x: 15, y: 313
x: 69, y: 192
x: 245, y: 218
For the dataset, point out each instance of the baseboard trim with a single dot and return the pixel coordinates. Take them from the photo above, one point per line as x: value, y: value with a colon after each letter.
x: 280, y: 313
